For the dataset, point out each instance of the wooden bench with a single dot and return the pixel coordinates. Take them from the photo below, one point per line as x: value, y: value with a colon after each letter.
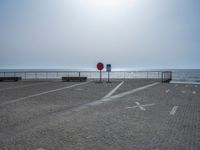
x: 79, y: 79
x: 10, y: 78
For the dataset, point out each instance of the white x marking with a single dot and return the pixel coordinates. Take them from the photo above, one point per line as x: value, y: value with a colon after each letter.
x: 140, y: 106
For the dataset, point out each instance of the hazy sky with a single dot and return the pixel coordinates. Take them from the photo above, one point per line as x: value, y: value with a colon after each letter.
x: 60, y: 34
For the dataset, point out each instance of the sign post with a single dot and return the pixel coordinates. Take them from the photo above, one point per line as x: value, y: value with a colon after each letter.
x: 108, y: 69
x: 100, y: 67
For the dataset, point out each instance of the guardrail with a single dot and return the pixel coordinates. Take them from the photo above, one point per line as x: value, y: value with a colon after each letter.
x: 163, y: 76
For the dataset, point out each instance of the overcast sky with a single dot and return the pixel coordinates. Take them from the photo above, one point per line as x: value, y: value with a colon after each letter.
x: 140, y: 34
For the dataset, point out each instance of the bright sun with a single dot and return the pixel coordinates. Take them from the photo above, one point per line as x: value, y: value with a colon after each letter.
x: 112, y: 5
x: 106, y: 3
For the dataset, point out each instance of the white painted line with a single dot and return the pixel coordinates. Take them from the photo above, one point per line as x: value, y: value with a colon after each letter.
x: 173, y: 111
x: 40, y: 149
x: 95, y: 103
x: 148, y: 105
x: 186, y: 85
x: 130, y: 92
x: 195, y: 86
x: 140, y: 106
x: 43, y: 93
x: 114, y: 97
x: 176, y: 85
x: 22, y: 86
x: 193, y: 92
x: 131, y: 107
x: 183, y: 92
x: 167, y: 91
x: 113, y: 91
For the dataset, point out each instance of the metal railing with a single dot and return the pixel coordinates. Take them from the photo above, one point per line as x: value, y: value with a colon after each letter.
x: 164, y: 76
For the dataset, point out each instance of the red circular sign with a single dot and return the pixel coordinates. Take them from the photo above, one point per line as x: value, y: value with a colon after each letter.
x: 100, y: 66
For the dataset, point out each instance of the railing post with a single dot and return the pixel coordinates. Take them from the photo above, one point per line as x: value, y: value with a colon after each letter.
x: 170, y: 76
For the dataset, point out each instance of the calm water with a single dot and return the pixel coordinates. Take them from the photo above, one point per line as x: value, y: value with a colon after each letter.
x: 186, y: 75
x: 178, y: 75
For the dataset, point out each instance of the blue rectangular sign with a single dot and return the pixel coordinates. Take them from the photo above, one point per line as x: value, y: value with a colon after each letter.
x: 108, y: 67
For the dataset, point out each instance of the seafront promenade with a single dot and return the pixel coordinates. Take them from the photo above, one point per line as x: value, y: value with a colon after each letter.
x: 126, y: 114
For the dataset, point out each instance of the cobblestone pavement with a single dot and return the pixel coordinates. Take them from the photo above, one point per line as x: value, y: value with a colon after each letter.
x: 160, y: 117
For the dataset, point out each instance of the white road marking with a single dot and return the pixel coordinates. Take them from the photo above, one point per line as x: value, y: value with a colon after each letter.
x: 173, y: 111
x: 196, y: 86
x: 40, y: 149
x: 114, y: 97
x: 167, y: 91
x: 39, y: 94
x: 113, y: 91
x: 148, y: 105
x: 186, y: 85
x: 140, y: 106
x: 22, y: 86
x: 193, y: 92
x: 129, y: 92
x: 176, y: 85
x: 183, y: 92
x: 95, y: 103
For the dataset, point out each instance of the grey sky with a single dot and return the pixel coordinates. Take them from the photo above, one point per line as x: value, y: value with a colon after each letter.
x: 140, y: 34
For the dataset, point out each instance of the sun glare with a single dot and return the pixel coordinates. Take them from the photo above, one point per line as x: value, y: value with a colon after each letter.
x: 111, y: 5
x: 106, y: 3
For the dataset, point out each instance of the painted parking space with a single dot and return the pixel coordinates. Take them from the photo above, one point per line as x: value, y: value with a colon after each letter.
x: 39, y: 94
x: 25, y: 91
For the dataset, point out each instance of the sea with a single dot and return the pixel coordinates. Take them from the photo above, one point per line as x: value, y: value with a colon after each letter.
x: 191, y: 76
x: 186, y: 76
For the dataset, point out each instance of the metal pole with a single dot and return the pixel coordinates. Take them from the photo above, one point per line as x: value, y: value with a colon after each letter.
x: 170, y: 75
x: 100, y: 76
x: 108, y: 77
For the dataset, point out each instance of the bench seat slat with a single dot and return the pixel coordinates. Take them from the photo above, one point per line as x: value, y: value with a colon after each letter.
x: 10, y: 78
x: 74, y: 79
